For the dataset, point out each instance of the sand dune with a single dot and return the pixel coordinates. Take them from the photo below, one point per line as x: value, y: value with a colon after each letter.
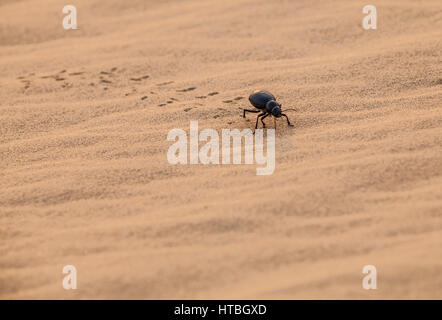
x: 85, y: 180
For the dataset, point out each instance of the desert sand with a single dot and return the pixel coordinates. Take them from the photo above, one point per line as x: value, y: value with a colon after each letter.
x: 84, y: 178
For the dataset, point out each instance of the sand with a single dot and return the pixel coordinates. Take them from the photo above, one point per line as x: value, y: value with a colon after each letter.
x: 85, y: 181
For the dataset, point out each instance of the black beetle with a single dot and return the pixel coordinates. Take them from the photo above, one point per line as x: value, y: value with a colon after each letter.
x: 266, y: 103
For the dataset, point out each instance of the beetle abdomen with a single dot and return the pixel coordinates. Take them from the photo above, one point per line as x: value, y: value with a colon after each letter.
x: 259, y: 99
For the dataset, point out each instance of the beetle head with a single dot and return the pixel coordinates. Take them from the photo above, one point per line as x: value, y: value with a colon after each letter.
x: 276, y: 112
x: 274, y: 108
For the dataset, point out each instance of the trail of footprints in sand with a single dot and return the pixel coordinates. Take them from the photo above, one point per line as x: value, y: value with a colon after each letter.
x: 60, y: 76
x: 171, y: 100
x: 105, y: 78
x: 189, y: 89
x: 200, y: 97
x: 197, y: 97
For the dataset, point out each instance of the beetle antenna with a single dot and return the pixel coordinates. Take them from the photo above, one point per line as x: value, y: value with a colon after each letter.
x: 293, y: 109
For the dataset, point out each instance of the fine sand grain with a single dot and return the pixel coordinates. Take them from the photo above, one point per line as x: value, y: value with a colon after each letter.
x: 84, y: 178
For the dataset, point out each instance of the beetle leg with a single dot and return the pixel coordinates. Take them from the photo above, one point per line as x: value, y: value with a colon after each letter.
x: 262, y: 118
x: 247, y: 110
x: 288, y: 121
x: 259, y: 115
